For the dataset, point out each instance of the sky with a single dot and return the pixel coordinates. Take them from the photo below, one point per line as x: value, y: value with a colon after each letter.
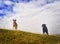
x: 30, y: 15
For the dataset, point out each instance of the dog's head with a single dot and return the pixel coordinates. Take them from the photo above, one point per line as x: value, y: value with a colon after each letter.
x: 14, y: 20
x: 43, y: 25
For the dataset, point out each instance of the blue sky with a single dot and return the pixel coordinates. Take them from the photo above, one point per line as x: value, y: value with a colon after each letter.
x: 31, y: 14
x: 4, y: 7
x: 9, y: 8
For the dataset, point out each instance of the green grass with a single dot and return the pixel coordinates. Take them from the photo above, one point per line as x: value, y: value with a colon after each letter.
x: 20, y: 37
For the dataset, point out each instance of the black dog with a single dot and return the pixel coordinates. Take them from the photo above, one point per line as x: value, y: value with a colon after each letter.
x: 45, y: 30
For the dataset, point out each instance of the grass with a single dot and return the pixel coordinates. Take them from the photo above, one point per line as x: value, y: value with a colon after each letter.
x: 20, y: 37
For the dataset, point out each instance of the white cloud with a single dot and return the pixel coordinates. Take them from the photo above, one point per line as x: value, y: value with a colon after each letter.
x: 30, y: 17
x: 7, y: 2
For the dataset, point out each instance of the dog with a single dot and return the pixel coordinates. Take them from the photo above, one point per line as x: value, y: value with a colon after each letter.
x: 14, y: 24
x: 45, y: 30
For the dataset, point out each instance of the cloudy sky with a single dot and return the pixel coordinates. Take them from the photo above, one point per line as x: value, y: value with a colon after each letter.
x: 31, y: 14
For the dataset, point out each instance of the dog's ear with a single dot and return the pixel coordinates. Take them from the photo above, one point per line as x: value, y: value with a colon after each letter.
x: 43, y: 25
x: 14, y: 19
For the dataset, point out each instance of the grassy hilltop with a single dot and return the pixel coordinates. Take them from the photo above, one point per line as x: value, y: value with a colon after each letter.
x: 20, y: 37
